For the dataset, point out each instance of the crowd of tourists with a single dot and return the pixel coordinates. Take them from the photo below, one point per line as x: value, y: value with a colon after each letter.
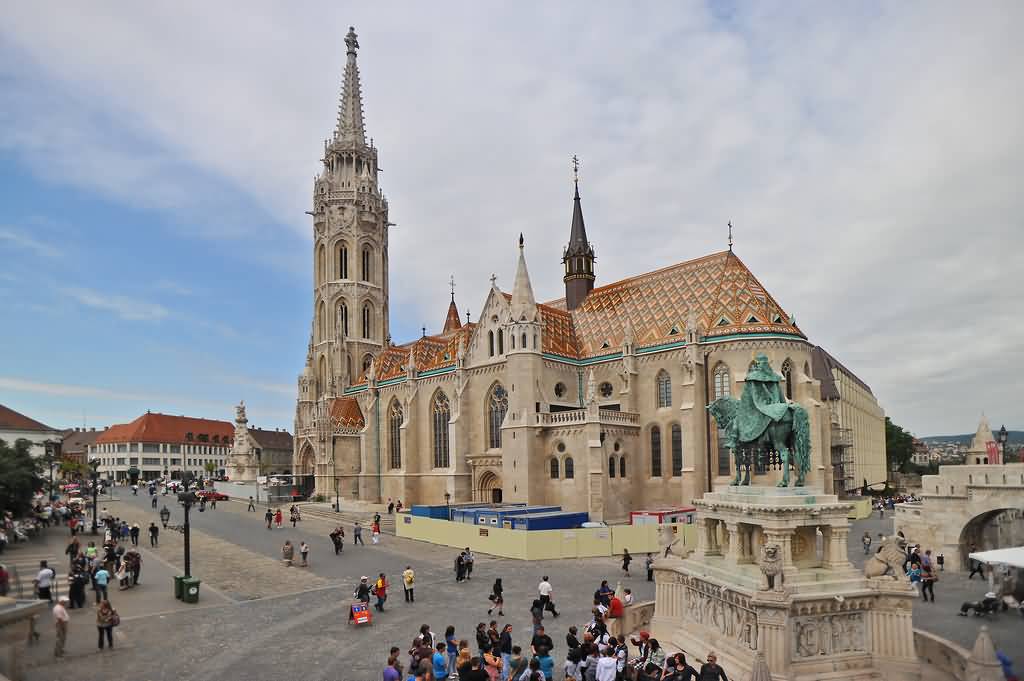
x: 493, y: 653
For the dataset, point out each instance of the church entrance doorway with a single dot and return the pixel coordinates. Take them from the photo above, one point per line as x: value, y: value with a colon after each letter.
x: 489, y: 488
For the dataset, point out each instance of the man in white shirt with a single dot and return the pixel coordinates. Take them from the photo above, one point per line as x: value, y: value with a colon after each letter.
x: 60, y: 620
x: 606, y: 667
x: 544, y: 590
x: 44, y: 580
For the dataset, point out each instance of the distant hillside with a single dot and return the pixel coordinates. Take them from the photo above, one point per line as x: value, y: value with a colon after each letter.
x: 1016, y: 437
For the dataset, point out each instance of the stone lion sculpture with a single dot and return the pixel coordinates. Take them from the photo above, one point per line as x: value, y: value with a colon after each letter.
x: 889, y: 559
x: 771, y: 568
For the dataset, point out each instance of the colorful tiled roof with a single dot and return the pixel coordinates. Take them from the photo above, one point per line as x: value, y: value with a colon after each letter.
x: 163, y: 428
x: 345, y: 413
x: 725, y: 297
x: 12, y: 420
x: 429, y: 352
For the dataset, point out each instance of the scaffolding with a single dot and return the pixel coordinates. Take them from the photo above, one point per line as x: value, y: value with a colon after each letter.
x: 842, y: 460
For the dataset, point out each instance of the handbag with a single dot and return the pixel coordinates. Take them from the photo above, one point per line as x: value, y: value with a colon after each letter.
x: 115, y: 619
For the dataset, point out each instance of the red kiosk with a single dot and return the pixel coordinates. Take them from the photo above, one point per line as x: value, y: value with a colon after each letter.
x: 360, y: 613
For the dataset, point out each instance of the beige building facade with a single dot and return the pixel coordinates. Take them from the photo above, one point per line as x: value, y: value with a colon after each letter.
x: 595, y: 401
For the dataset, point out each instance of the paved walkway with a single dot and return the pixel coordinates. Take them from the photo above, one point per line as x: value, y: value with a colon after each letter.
x: 951, y: 590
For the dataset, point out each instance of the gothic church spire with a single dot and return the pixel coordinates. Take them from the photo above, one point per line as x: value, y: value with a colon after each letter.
x: 578, y: 257
x: 350, y: 126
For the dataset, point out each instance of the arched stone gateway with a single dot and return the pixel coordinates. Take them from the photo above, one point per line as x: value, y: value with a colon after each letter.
x: 305, y: 472
x: 966, y: 506
x: 488, y: 488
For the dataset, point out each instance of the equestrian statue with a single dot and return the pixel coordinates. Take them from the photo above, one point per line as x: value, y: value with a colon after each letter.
x: 762, y: 421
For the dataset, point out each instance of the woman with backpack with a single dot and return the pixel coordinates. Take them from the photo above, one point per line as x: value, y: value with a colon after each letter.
x: 106, y: 619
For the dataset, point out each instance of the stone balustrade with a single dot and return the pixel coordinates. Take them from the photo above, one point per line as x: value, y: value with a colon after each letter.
x: 579, y: 417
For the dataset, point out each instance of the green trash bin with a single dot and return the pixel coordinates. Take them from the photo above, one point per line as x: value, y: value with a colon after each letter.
x: 179, y: 590
x: 191, y: 590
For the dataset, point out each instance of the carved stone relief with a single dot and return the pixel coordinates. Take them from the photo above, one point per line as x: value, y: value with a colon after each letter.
x: 828, y: 635
x: 726, y: 612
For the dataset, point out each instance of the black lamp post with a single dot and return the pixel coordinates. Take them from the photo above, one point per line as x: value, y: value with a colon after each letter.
x: 448, y: 503
x: 95, y: 465
x: 187, y: 499
x: 50, y: 460
x: 337, y: 497
x: 259, y: 473
x: 1003, y: 436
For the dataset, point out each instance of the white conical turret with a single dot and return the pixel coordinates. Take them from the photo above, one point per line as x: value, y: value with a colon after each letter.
x: 524, y: 305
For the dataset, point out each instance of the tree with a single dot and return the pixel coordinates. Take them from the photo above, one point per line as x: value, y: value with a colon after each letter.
x: 19, y: 476
x: 209, y: 467
x: 899, y: 446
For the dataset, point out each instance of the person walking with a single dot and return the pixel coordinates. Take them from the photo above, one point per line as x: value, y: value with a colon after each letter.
x: 106, y: 619
x: 451, y: 647
x: 649, y: 566
x: 469, y: 559
x: 72, y: 551
x: 60, y: 621
x: 496, y: 599
x: 152, y: 502
x: 361, y: 593
x: 544, y: 590
x: 977, y: 567
x: 338, y: 539
x: 252, y: 505
x: 357, y: 534
x: 76, y: 587
x: 505, y: 648
x: 44, y: 581
x: 866, y: 543
x: 375, y: 532
x: 439, y: 662
x: 288, y: 553
x: 710, y: 671
x: 154, y: 535
x: 928, y: 579
x: 269, y: 517
x: 278, y: 518
x: 293, y: 514
x: 100, y: 579
x: 941, y: 560
x: 460, y: 566
x: 408, y: 584
x: 304, y: 554
x: 626, y: 560
x: 380, y: 589
x: 134, y: 533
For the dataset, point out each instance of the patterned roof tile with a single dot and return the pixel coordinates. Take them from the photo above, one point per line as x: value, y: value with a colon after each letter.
x: 345, y: 413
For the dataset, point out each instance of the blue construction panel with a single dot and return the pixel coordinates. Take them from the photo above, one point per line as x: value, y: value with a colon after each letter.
x: 563, y: 520
x: 494, y: 517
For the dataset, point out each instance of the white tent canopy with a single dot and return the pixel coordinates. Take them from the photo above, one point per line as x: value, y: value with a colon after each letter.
x: 1012, y: 556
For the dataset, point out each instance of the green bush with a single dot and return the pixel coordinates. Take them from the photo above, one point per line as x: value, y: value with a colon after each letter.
x: 319, y: 498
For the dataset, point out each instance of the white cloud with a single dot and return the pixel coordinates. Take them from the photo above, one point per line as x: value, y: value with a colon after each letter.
x: 124, y: 307
x: 868, y: 157
x: 25, y: 242
x: 174, y: 287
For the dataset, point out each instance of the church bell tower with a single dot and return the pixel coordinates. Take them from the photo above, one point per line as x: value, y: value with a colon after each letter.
x: 578, y: 257
x: 350, y: 248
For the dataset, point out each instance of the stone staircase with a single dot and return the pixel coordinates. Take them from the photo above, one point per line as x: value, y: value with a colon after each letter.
x: 347, y: 516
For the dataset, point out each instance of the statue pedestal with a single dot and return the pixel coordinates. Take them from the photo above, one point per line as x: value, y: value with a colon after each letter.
x: 770, y: 574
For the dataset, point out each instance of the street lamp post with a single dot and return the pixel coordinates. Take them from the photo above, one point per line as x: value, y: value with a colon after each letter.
x: 448, y: 504
x: 337, y: 497
x: 187, y: 499
x: 1003, y: 436
x: 95, y: 465
x: 259, y: 472
x: 49, y: 444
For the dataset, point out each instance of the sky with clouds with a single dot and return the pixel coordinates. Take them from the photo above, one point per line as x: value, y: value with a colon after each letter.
x: 156, y: 162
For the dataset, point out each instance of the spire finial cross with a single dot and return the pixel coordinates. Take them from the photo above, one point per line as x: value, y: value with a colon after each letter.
x: 352, y: 40
x: 467, y: 315
x: 730, y: 235
x: 494, y: 278
x: 451, y: 283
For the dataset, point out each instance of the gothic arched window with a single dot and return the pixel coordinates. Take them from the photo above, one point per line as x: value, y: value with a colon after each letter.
x: 442, y: 413
x: 321, y: 321
x: 677, y: 450
x: 655, y: 452
x: 367, y: 361
x: 343, y: 262
x: 343, y: 316
x: 366, y: 322
x: 490, y: 344
x: 366, y: 272
x: 611, y: 466
x: 723, y: 383
x: 664, y: 389
x: 321, y: 264
x: 322, y: 376
x: 523, y: 345
x: 787, y: 375
x: 395, y: 433
x: 497, y: 405
x: 554, y: 468
x: 622, y: 466
x: 501, y: 342
x: 570, y: 468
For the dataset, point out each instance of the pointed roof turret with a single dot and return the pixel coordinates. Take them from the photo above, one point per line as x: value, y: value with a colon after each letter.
x: 452, y: 322
x: 524, y: 305
x: 578, y: 256
x: 578, y: 243
x: 350, y: 126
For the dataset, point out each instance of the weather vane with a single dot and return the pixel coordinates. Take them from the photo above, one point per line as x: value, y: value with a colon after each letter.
x: 451, y: 283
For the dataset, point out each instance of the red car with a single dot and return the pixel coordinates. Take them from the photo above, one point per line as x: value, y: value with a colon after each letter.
x: 212, y: 495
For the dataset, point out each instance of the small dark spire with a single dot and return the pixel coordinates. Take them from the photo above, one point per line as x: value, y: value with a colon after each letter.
x: 424, y: 332
x: 578, y: 256
x: 451, y: 283
x: 520, y: 239
x: 467, y: 316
